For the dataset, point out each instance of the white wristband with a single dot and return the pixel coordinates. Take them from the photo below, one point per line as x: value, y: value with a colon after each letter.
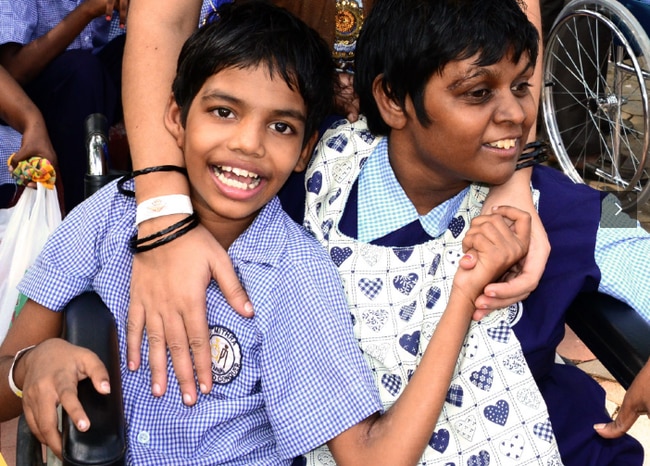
x: 17, y: 391
x: 163, y: 205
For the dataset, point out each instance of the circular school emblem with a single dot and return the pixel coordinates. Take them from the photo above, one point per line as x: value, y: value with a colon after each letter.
x: 226, y: 355
x: 514, y: 313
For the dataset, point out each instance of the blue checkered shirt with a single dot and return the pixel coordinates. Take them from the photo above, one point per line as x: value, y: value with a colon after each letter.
x: 377, y: 218
x: 618, y: 251
x: 302, y: 380
x: 9, y: 143
x: 23, y: 21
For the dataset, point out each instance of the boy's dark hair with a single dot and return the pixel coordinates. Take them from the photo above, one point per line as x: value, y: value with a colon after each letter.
x: 409, y: 40
x: 249, y: 34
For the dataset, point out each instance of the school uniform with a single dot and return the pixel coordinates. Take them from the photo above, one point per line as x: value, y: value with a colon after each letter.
x: 285, y: 381
x: 357, y: 209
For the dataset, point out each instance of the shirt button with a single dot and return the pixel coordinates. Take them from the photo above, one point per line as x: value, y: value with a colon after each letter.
x: 143, y: 437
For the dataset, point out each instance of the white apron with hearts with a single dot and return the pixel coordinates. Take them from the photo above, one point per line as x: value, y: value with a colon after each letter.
x: 494, y: 414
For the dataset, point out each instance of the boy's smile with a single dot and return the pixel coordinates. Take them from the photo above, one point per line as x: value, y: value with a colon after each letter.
x: 480, y: 119
x: 242, y: 139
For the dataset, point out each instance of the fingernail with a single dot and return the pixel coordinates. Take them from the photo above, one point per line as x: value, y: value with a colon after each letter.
x: 599, y: 426
x: 131, y: 366
x: 157, y: 391
x: 496, y: 207
x: 187, y: 399
x: 248, y: 307
x: 82, y: 425
x: 106, y: 387
x: 108, y: 17
x: 122, y: 26
x: 468, y: 257
x: 203, y: 388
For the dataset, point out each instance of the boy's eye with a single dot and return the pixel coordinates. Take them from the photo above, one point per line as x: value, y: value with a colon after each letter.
x: 282, y: 128
x: 223, y: 112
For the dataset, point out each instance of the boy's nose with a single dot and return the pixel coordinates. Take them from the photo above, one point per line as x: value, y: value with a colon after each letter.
x: 248, y: 139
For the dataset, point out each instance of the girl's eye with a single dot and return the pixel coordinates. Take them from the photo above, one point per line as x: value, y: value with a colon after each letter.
x: 282, y: 128
x: 480, y: 94
x: 521, y: 88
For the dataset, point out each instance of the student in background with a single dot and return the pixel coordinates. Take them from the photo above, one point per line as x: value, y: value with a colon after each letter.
x: 67, y: 55
x: 26, y: 122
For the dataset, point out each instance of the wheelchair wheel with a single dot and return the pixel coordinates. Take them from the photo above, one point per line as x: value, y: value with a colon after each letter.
x: 594, y: 99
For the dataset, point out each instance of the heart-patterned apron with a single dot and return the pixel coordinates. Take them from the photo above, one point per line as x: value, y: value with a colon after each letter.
x: 494, y: 414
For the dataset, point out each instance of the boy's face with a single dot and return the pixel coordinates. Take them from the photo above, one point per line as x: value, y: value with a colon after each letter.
x: 480, y: 119
x: 242, y: 139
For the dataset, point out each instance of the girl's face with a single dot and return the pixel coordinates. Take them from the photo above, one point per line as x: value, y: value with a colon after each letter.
x: 242, y: 139
x: 480, y: 119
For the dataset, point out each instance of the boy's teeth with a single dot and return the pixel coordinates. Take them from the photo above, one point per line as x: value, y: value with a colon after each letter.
x: 238, y: 171
x: 253, y: 178
x: 238, y: 184
x: 504, y: 143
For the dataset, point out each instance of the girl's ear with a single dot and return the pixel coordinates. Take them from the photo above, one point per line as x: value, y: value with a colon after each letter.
x: 391, y: 111
x: 305, y: 154
x: 173, y: 121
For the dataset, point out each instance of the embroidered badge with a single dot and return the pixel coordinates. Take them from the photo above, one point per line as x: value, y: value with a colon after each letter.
x: 226, y: 355
x: 515, y: 312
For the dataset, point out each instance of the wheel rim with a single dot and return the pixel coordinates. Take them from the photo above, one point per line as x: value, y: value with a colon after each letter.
x: 606, y: 144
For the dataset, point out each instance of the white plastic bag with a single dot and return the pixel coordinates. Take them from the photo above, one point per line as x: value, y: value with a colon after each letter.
x: 5, y: 215
x: 34, y: 217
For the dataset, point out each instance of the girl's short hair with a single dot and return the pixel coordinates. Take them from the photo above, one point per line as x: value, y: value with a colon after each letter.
x: 407, y: 41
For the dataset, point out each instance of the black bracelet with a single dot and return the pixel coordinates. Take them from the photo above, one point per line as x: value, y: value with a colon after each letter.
x: 534, y: 153
x: 134, y: 241
x: 146, y: 171
x: 174, y: 231
x: 168, y: 238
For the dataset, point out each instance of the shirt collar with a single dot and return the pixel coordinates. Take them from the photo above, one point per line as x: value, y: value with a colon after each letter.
x: 263, y: 241
x: 377, y: 218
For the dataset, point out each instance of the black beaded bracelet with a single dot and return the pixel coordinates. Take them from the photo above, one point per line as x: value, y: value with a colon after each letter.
x: 534, y: 153
x: 146, y: 171
x: 174, y: 231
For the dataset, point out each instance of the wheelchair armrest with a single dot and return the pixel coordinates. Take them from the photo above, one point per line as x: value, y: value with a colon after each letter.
x: 617, y: 335
x: 89, y: 323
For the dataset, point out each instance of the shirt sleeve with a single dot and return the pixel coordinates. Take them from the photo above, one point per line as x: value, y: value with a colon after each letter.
x: 315, y: 379
x: 622, y: 254
x: 69, y: 263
